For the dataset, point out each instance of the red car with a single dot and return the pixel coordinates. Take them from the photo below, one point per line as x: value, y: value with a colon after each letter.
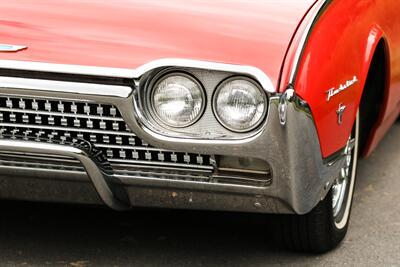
x: 251, y: 106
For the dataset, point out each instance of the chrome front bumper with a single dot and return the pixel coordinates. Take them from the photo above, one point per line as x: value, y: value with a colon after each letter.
x: 97, y: 168
x: 288, y: 142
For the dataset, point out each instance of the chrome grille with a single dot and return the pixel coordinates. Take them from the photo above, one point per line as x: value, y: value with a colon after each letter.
x: 51, y: 120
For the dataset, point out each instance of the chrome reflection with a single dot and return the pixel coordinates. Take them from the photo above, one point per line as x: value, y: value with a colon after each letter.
x: 339, y: 187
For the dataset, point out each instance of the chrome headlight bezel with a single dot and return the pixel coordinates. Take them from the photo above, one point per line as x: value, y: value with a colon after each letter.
x: 150, y: 97
x: 215, y: 99
x: 207, y: 127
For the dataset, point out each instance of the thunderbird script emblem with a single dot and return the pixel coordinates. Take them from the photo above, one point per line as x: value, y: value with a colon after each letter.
x: 334, y: 91
x: 11, y: 48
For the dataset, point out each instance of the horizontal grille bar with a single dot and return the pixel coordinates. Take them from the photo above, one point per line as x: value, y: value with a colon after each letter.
x: 136, y: 165
x: 67, y: 129
x: 161, y: 164
x: 48, y: 113
x: 199, y: 176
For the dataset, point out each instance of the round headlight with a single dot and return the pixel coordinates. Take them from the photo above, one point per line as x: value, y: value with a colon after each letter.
x: 240, y: 104
x: 178, y: 100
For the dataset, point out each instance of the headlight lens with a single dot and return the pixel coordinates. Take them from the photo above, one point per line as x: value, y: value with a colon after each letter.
x: 178, y: 100
x: 240, y: 104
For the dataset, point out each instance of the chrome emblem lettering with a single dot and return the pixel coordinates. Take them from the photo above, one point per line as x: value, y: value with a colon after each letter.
x: 334, y: 91
x: 11, y: 48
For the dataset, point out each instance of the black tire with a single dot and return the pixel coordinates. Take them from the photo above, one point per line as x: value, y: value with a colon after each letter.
x: 319, y: 230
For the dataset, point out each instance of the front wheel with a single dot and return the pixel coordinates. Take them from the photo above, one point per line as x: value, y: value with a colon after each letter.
x: 326, y: 225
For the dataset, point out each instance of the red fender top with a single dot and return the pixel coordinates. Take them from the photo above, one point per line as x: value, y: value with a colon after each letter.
x: 130, y: 33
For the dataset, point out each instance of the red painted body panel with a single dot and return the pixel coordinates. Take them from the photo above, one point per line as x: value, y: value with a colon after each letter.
x: 340, y: 47
x: 127, y: 33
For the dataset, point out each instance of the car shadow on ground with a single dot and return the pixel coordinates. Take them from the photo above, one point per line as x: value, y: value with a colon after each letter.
x: 36, y: 234
x: 62, y: 234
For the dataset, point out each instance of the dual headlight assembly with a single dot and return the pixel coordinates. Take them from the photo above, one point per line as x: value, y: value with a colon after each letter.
x: 179, y: 100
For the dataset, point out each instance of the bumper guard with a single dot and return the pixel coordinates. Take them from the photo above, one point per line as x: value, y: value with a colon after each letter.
x: 95, y: 164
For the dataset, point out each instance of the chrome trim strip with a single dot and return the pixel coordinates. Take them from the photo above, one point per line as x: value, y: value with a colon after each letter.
x: 43, y: 166
x: 36, y: 157
x: 103, y: 182
x: 66, y: 68
x: 11, y: 48
x: 254, y: 72
x: 323, y: 4
x: 62, y: 86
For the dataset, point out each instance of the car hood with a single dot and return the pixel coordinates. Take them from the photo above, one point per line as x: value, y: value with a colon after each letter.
x: 130, y: 33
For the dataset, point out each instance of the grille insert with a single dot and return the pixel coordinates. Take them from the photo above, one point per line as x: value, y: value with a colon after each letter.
x: 51, y: 120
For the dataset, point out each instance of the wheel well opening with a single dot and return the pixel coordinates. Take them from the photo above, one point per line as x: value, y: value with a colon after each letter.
x: 373, y: 95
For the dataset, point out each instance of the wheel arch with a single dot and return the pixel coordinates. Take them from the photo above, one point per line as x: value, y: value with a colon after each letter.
x: 375, y: 93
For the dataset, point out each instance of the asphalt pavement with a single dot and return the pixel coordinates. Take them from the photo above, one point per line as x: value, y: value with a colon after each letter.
x: 62, y: 235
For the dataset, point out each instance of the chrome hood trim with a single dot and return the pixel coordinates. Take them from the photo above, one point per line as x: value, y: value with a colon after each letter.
x: 253, y: 72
